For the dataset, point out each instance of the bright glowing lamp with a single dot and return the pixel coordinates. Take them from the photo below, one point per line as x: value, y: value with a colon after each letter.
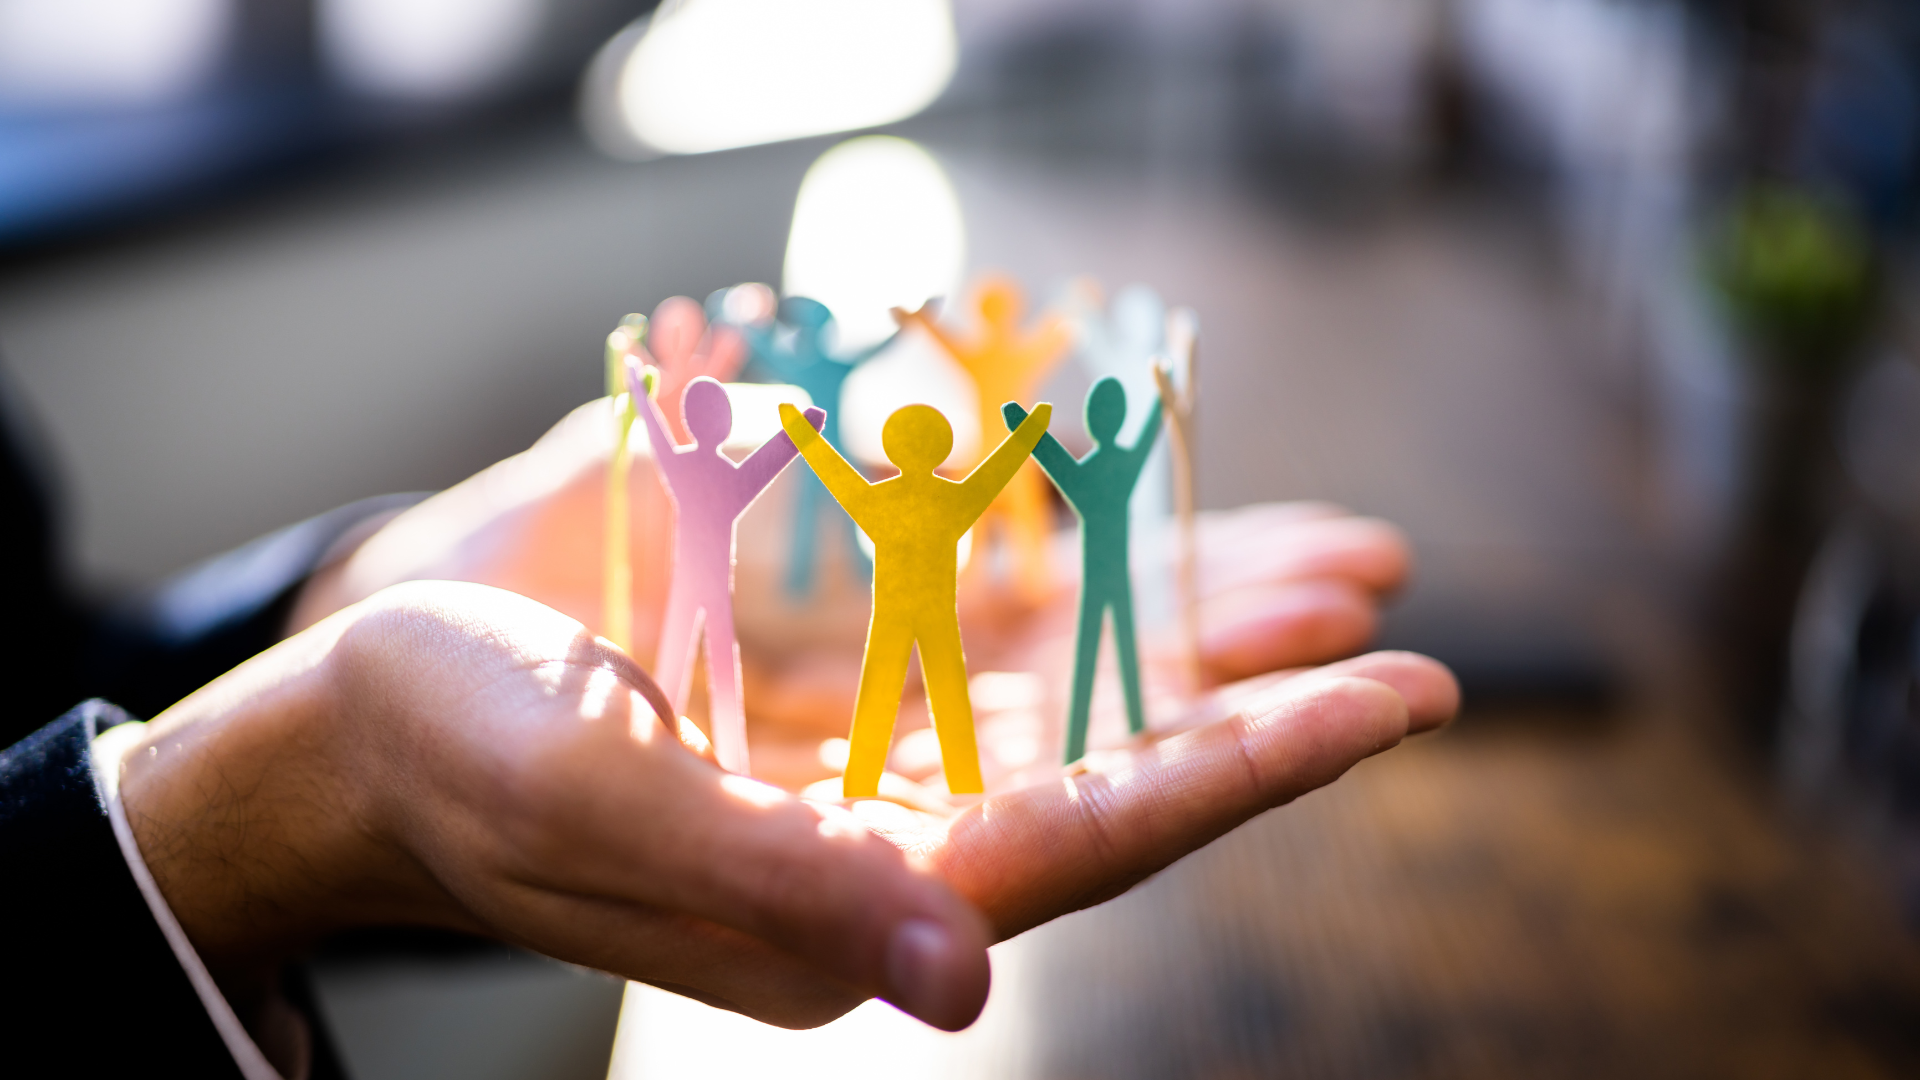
x: 714, y: 74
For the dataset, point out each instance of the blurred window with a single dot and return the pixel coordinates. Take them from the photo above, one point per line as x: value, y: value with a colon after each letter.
x: 427, y: 50
x: 714, y: 74
x: 61, y: 54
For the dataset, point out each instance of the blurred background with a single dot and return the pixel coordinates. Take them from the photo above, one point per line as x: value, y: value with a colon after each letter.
x: 1610, y: 303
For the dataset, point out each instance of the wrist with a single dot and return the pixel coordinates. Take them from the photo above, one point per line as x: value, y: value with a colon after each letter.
x: 252, y: 815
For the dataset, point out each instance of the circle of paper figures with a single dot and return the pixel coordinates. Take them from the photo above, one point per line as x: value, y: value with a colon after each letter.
x: 916, y: 518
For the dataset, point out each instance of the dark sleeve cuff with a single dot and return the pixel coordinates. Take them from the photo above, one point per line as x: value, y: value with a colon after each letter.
x: 90, y: 974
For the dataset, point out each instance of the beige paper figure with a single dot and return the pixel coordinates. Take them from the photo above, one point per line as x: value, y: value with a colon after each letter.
x: 1006, y: 363
x: 1175, y: 375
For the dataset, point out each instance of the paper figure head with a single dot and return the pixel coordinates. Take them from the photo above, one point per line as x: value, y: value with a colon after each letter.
x: 917, y: 438
x: 1000, y: 301
x: 709, y: 412
x: 678, y: 324
x: 805, y: 313
x: 1106, y: 409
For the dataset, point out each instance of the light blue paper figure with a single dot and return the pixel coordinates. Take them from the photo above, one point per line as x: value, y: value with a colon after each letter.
x: 797, y: 353
x: 1098, y: 487
x: 1122, y: 343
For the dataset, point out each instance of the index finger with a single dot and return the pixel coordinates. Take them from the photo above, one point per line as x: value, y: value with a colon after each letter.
x: 1033, y: 855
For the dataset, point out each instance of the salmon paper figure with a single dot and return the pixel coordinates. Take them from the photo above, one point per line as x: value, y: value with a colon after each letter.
x: 916, y: 520
x: 1006, y: 363
x: 682, y: 347
x: 709, y: 494
x: 1098, y: 487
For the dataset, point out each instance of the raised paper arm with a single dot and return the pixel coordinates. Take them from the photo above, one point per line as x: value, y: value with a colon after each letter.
x: 1143, y: 445
x: 664, y: 448
x: 842, y: 479
x: 925, y: 321
x: 1060, y: 466
x: 986, y: 481
x: 766, y: 462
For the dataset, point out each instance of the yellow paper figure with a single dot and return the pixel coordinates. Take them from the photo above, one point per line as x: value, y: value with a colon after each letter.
x: 1006, y: 363
x: 916, y: 520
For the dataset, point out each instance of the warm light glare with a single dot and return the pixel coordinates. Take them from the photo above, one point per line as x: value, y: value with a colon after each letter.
x: 425, y: 50
x: 108, y: 52
x: 664, y: 1035
x: 713, y: 74
x: 876, y: 225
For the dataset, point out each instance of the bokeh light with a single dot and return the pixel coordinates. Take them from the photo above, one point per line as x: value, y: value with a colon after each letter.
x: 714, y: 74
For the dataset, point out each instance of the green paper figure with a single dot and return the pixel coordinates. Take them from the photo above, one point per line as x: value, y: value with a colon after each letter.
x: 1098, y: 487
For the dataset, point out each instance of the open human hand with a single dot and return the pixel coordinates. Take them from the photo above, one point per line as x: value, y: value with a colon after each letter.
x: 452, y: 755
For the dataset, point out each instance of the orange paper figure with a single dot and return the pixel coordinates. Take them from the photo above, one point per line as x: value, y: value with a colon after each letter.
x: 1006, y: 363
x: 682, y: 347
x: 916, y: 520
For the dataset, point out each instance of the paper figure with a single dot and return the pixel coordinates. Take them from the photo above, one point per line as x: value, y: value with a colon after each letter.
x: 1177, y: 380
x: 802, y: 358
x: 1006, y: 363
x: 1098, y: 488
x: 1124, y: 341
x: 709, y: 494
x: 616, y: 567
x: 916, y: 520
x: 682, y: 347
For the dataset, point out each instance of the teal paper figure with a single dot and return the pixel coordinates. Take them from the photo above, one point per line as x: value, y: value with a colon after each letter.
x: 798, y: 354
x: 1098, y: 488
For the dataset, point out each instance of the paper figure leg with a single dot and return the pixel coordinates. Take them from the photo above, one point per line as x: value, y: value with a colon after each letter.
x: 679, y: 637
x: 725, y: 716
x: 1086, y: 655
x: 806, y: 534
x: 944, y: 664
x: 1129, y: 651
x: 883, y: 675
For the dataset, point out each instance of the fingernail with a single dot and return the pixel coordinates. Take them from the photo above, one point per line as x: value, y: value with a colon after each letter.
x: 918, y: 958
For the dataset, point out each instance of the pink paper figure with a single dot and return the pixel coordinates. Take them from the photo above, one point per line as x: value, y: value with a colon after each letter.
x: 709, y: 494
x: 682, y: 347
